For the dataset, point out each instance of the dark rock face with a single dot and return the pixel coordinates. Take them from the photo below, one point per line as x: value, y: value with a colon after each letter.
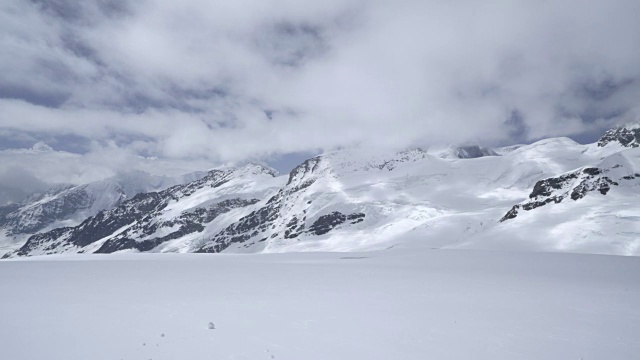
x: 631, y: 177
x: 326, y: 223
x: 602, y: 185
x: 627, y: 137
x: 356, y: 218
x: 556, y: 189
x: 294, y: 228
x: 547, y: 186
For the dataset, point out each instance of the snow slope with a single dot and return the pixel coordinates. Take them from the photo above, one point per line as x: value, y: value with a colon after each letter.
x: 408, y: 304
x: 67, y: 205
x: 172, y: 220
x: 356, y: 200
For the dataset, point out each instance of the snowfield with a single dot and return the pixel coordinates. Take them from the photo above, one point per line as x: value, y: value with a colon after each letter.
x: 389, y: 304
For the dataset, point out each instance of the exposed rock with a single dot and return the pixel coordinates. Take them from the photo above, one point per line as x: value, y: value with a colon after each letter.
x: 575, y: 185
x: 326, y: 223
x: 627, y: 136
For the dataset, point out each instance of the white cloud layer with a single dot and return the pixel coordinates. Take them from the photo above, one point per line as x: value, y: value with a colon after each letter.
x: 215, y: 81
x: 23, y: 171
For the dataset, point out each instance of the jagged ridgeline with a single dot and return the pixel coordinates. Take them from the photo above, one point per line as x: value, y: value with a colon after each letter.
x: 151, y: 219
x: 470, y: 196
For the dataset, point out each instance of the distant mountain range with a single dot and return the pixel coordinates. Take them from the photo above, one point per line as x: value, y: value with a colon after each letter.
x: 68, y: 205
x: 553, y: 195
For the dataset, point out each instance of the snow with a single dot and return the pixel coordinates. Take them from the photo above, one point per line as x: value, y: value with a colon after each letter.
x: 408, y: 282
x: 394, y: 304
x: 418, y: 199
x: 102, y: 195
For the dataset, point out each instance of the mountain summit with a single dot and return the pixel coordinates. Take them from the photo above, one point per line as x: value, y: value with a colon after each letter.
x: 626, y: 135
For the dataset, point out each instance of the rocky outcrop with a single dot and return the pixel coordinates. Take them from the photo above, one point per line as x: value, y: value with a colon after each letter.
x: 326, y: 223
x: 575, y: 185
x: 627, y: 136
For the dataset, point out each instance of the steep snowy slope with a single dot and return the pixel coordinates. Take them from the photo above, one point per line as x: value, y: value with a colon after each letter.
x: 153, y: 220
x: 67, y: 205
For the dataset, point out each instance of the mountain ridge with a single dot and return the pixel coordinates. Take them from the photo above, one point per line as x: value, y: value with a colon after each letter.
x: 359, y: 200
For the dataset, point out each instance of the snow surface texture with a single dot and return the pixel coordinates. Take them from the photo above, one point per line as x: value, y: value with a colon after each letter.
x: 553, y: 195
x: 394, y: 304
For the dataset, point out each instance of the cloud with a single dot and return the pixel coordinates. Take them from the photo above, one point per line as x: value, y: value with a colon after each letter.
x: 214, y: 81
x: 46, y: 166
x: 16, y: 183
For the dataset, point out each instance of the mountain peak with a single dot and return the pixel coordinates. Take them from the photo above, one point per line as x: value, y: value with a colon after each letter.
x: 627, y: 135
x: 253, y: 168
x: 258, y: 168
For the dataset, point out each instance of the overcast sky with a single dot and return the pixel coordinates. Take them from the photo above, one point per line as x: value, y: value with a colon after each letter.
x: 173, y: 86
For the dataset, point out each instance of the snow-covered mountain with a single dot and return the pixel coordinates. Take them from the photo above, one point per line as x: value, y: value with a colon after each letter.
x: 552, y: 195
x: 68, y: 205
x: 155, y: 220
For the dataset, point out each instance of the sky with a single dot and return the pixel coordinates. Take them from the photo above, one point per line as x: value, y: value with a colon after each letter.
x: 95, y: 87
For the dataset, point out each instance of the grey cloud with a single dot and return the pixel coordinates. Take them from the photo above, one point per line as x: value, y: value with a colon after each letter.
x: 27, y: 170
x: 291, y: 44
x: 85, y: 12
x: 216, y: 81
x: 16, y: 183
x: 603, y: 89
x: 33, y: 95
x: 516, y: 127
